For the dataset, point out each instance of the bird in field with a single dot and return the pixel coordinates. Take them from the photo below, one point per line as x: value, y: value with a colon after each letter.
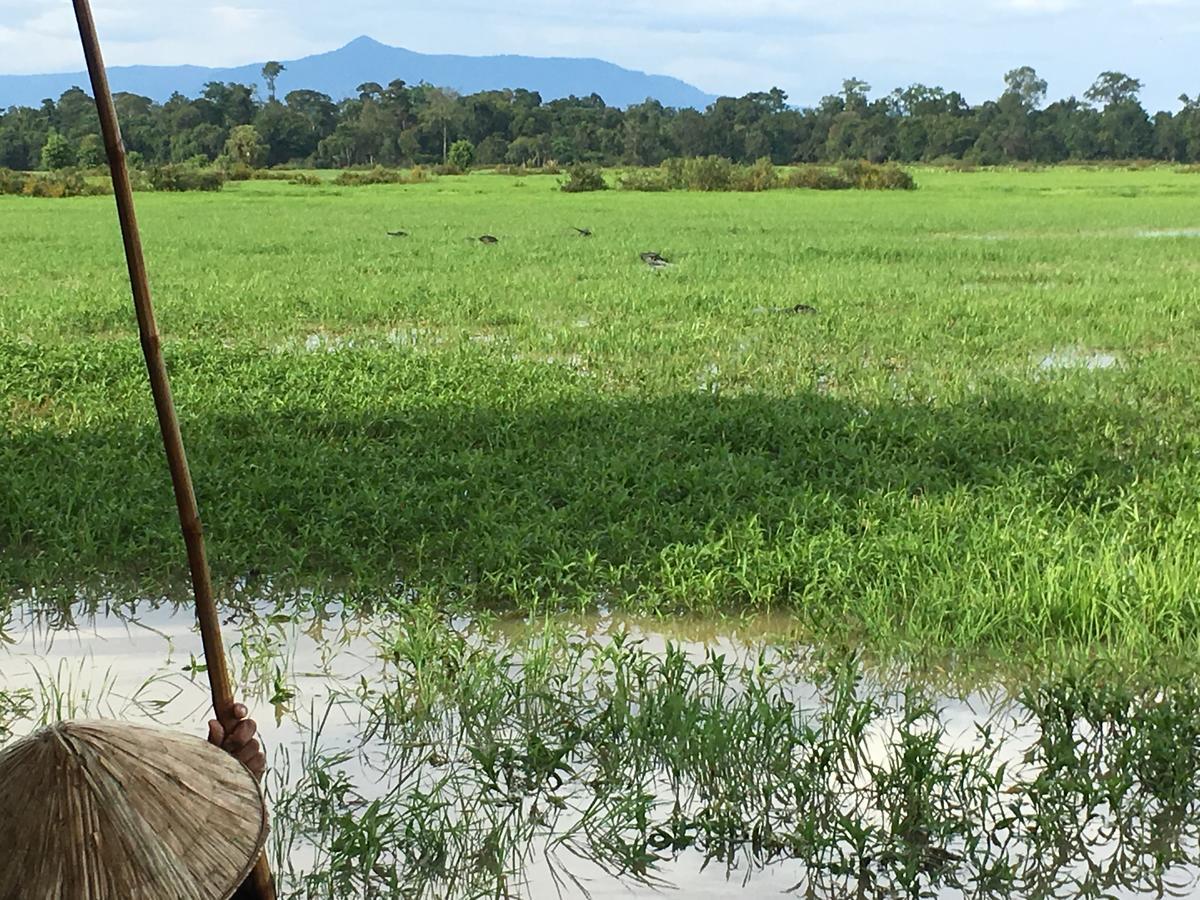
x: 800, y: 309
x: 488, y: 239
x: 655, y: 260
x: 583, y: 232
x: 397, y: 234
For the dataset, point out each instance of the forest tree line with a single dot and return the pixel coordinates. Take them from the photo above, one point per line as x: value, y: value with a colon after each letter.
x: 401, y: 124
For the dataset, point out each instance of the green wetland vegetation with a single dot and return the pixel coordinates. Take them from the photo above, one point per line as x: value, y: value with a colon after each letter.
x: 923, y: 462
x: 984, y: 438
x: 420, y: 756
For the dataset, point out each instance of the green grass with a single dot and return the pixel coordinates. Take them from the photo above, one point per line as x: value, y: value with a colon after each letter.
x: 548, y: 423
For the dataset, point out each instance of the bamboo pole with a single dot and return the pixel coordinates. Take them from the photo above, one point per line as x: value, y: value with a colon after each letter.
x: 185, y: 497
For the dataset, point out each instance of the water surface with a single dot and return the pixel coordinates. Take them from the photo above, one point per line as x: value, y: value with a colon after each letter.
x: 332, y: 695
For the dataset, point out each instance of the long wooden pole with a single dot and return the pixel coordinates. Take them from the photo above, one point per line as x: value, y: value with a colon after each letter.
x: 185, y: 496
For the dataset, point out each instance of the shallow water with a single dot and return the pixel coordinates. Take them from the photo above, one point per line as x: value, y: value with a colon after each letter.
x: 144, y: 669
x: 1170, y: 233
x: 1077, y: 358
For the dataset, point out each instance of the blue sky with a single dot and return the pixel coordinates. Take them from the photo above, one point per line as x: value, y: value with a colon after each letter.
x: 723, y: 46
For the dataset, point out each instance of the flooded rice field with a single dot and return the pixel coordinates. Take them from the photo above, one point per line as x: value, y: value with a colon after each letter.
x: 415, y: 754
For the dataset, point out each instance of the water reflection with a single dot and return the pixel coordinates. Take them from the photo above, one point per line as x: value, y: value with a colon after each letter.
x: 1170, y: 233
x: 1077, y: 358
x: 419, y: 755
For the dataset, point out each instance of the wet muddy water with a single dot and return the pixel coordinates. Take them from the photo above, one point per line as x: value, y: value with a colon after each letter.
x: 296, y: 673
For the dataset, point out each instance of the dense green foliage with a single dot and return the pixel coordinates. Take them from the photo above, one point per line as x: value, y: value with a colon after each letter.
x: 57, y: 152
x: 402, y: 124
x: 714, y: 173
x: 461, y: 155
x: 185, y: 178
x: 380, y: 175
x: 986, y: 436
x: 58, y: 183
x: 582, y: 178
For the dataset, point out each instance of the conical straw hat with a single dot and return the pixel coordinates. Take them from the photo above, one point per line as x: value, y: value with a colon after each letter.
x: 110, y: 811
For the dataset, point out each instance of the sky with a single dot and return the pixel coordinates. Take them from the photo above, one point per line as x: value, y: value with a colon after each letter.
x: 805, y: 47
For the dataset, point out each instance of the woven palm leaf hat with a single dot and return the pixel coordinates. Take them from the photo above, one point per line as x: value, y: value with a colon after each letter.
x: 110, y: 811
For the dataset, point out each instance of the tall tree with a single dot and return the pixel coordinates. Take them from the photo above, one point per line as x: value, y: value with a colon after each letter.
x: 1126, y: 131
x: 441, y: 110
x: 1027, y: 87
x: 854, y: 94
x: 286, y: 135
x: 369, y: 90
x: 233, y: 104
x: 318, y: 110
x: 1113, y: 87
x: 271, y: 71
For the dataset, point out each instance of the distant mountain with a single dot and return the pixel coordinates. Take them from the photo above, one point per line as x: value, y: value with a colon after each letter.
x: 339, y: 72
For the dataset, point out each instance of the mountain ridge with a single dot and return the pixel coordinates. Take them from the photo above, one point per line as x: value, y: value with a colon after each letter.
x: 338, y: 72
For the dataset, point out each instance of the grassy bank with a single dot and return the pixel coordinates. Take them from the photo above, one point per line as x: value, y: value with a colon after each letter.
x: 985, y: 437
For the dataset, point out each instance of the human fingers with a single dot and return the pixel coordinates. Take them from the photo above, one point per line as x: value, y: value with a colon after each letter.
x: 253, y: 758
x: 235, y: 714
x: 242, y: 734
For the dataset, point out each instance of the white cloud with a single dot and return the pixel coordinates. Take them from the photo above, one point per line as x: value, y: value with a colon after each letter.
x: 240, y: 18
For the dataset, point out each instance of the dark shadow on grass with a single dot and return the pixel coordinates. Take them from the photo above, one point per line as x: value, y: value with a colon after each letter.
x: 569, y: 497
